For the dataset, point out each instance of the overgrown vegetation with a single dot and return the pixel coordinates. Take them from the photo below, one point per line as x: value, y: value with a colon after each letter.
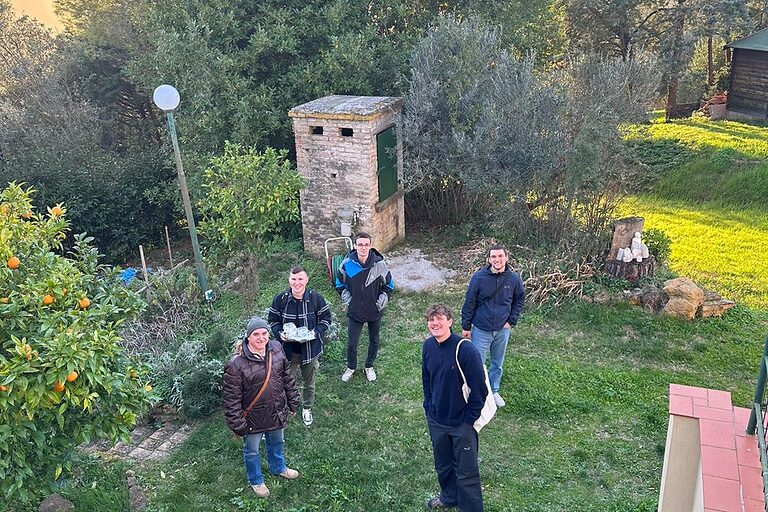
x: 556, y: 176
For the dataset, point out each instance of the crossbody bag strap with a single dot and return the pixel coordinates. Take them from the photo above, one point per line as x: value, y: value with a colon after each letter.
x: 463, y: 378
x: 263, y: 386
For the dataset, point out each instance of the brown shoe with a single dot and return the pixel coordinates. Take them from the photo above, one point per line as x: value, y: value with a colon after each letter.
x: 289, y: 474
x: 261, y: 490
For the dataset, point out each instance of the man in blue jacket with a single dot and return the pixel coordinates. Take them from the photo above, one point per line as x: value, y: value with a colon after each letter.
x: 450, y: 417
x: 365, y: 285
x: 491, y: 308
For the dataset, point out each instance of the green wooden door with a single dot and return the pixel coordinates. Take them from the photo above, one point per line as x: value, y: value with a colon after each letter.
x: 386, y: 152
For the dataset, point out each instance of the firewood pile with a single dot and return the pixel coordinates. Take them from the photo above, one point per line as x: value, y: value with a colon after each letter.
x: 550, y: 281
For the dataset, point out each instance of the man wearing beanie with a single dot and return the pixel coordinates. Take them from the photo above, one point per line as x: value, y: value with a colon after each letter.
x: 259, y: 395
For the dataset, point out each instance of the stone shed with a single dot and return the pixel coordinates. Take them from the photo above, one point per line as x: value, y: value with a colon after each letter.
x: 348, y: 151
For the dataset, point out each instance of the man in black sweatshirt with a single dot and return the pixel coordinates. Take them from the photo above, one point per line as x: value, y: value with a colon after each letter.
x: 450, y: 417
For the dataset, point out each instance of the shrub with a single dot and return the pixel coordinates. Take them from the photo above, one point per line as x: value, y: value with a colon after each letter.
x: 659, y: 244
x: 201, y: 391
x: 248, y: 195
x: 64, y: 379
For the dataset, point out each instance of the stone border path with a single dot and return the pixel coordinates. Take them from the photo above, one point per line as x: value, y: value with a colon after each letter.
x: 148, y: 442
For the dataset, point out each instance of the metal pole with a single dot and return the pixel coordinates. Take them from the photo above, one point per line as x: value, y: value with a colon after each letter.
x: 758, y: 390
x: 168, y: 244
x: 187, y: 206
x: 146, y: 274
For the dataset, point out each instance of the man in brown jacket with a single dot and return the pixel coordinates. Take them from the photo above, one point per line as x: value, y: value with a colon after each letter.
x: 259, y: 396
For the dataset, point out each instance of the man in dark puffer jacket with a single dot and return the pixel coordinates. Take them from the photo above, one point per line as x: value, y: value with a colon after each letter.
x: 492, y: 306
x: 365, y: 285
x: 244, y: 376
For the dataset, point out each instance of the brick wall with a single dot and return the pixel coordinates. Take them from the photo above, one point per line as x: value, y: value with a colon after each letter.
x: 341, y: 175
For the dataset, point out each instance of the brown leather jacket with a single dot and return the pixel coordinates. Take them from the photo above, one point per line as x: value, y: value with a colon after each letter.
x: 243, y: 378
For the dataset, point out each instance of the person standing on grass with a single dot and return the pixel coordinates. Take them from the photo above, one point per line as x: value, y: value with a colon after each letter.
x: 302, y: 307
x: 365, y: 285
x: 492, y: 306
x: 451, y: 418
x: 259, y: 395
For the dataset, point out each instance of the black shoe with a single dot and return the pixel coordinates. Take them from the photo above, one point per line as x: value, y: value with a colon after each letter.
x: 436, y: 504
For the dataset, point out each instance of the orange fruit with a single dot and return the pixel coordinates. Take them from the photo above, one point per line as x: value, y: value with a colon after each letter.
x: 84, y: 303
x: 4, y: 300
x: 58, y: 387
x: 5, y: 208
x: 26, y: 215
x: 64, y: 292
x: 148, y: 388
x: 3, y: 388
x: 72, y: 376
x: 47, y: 300
x: 13, y: 262
x: 56, y: 211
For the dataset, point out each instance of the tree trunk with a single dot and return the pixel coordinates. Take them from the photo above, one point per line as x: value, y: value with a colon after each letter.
x: 675, y: 78
x: 671, y: 97
x: 710, y: 64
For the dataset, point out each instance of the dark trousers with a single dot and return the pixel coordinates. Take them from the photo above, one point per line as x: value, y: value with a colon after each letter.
x: 455, y: 451
x: 354, y: 329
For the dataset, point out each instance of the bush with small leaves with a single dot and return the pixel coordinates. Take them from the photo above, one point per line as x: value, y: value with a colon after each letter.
x: 659, y: 244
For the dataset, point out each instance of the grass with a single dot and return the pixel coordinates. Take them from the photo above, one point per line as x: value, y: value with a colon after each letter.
x: 583, y: 430
x: 711, y: 198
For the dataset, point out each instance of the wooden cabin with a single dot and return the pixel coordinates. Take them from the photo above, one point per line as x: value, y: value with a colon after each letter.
x: 748, y: 81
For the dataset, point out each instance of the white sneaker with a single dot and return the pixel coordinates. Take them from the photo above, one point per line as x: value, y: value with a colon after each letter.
x: 347, y: 374
x: 306, y: 416
x: 261, y: 490
x: 370, y: 374
x: 289, y: 474
x: 499, y: 401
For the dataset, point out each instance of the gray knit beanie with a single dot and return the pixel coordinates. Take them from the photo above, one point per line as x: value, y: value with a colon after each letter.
x: 256, y: 323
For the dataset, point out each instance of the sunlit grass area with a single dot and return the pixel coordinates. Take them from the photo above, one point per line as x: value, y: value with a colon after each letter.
x: 720, y: 248
x: 711, y: 198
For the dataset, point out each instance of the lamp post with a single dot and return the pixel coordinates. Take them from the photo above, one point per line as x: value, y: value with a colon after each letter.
x: 167, y: 99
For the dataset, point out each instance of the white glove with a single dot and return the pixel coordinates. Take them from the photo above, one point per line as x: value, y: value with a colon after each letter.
x: 346, y: 297
x: 381, y: 302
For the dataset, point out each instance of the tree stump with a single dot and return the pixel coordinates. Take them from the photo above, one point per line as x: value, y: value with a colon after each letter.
x: 623, y: 231
x: 631, y: 270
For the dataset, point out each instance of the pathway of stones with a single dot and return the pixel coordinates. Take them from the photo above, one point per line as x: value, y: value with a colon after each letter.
x: 152, y: 441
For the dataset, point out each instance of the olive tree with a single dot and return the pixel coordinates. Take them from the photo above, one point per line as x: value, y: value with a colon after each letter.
x: 482, y: 129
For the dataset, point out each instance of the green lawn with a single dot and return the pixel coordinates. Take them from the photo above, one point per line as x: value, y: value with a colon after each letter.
x: 584, y: 428
x: 711, y: 198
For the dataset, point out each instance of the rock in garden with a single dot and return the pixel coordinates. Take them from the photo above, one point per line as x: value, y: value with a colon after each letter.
x: 653, y: 299
x: 685, y: 297
x: 714, y: 308
x: 137, y: 500
x: 56, y: 503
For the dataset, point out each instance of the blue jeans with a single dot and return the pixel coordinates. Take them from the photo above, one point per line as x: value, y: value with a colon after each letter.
x: 252, y: 457
x: 494, y: 342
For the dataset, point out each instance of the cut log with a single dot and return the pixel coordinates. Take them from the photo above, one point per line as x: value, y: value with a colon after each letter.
x: 623, y: 231
x: 631, y: 270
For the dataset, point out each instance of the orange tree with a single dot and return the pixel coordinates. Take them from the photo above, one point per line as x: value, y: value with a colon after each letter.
x: 64, y: 379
